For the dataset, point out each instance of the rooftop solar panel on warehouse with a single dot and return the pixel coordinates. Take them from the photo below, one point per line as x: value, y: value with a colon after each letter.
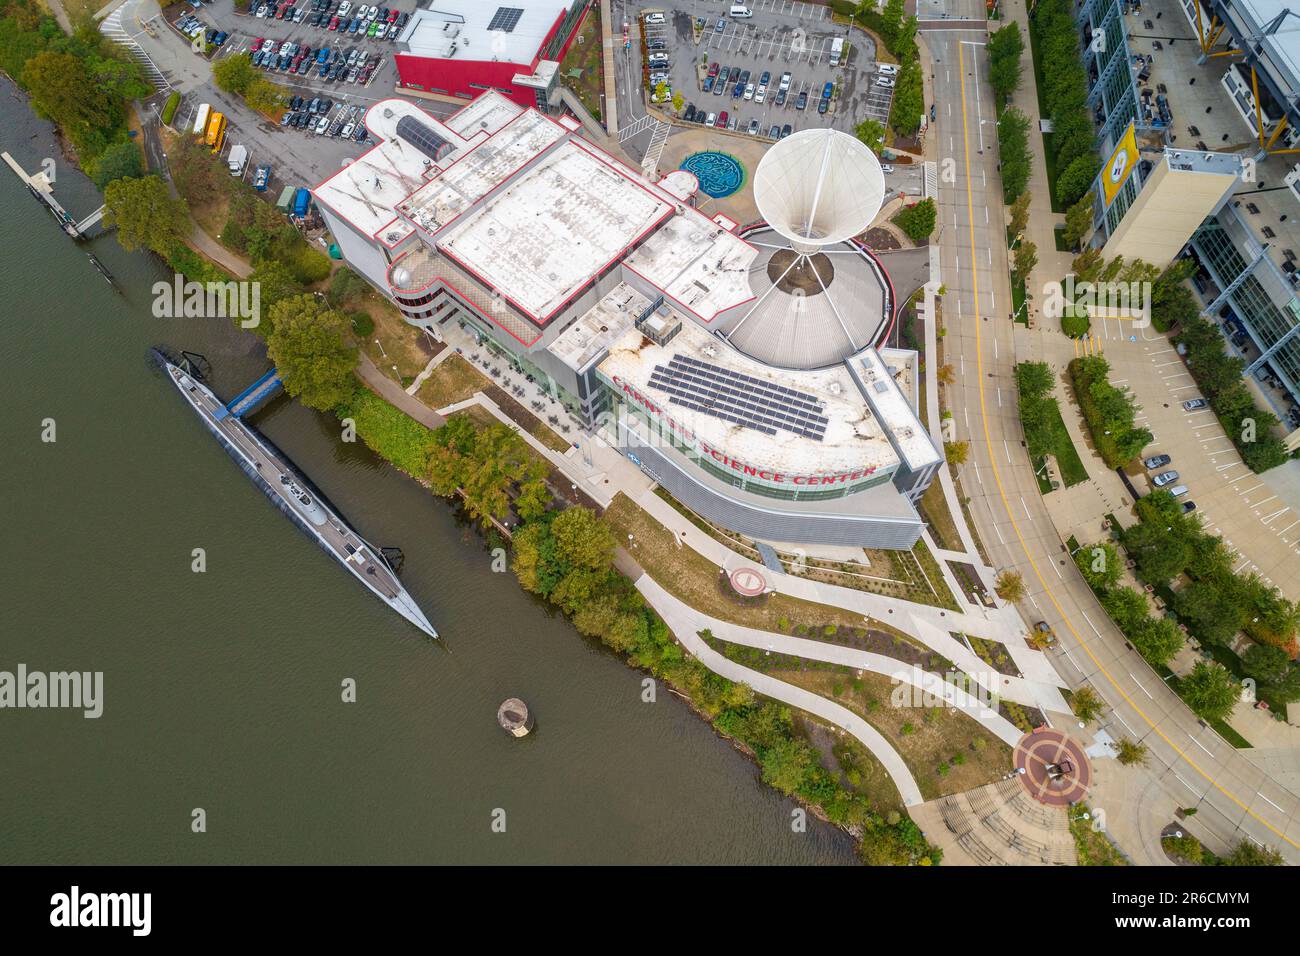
x: 740, y: 399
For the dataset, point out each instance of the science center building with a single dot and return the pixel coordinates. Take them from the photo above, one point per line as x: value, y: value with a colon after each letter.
x: 737, y: 366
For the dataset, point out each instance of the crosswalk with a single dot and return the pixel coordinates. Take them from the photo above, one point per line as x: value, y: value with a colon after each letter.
x: 650, y: 164
x: 112, y: 28
x: 636, y: 128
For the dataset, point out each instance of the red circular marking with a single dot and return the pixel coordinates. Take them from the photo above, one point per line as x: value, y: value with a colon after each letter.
x: 748, y: 581
x: 1052, y: 768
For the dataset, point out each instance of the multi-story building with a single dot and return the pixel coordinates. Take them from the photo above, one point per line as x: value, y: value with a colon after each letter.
x: 743, y: 377
x: 456, y: 49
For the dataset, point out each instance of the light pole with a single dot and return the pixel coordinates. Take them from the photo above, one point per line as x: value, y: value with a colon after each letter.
x: 381, y: 349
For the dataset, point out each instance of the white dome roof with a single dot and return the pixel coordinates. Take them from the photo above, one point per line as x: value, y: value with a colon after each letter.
x: 818, y: 187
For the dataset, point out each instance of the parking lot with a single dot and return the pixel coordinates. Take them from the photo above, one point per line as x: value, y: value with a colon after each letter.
x: 298, y: 156
x: 782, y: 36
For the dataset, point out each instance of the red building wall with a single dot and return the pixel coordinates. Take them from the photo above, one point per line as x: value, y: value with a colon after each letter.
x: 455, y: 77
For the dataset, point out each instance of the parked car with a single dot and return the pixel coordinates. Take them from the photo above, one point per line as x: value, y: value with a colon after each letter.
x: 802, y: 101
x: 738, y: 91
x: 1164, y: 478
x: 774, y: 132
x: 886, y: 168
x: 753, y: 127
x: 689, y: 115
x: 1189, y: 507
x: 779, y: 99
x: 710, y: 120
x: 1195, y: 404
x: 334, y: 23
x: 823, y: 105
x: 720, y: 26
x: 744, y: 76
x: 760, y: 94
x: 786, y: 130
x: 713, y: 69
x: 749, y: 91
x: 884, y: 81
x: 722, y: 120
x: 1156, y: 461
x: 1045, y: 629
x: 785, y: 82
x: 887, y: 69
x: 708, y: 84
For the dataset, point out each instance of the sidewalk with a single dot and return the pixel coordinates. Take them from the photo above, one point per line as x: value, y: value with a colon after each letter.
x: 686, y: 623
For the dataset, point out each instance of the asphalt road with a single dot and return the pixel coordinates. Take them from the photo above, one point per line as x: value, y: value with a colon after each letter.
x: 1189, y: 760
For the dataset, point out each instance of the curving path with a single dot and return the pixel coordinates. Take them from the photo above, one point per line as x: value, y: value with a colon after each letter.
x: 685, y: 622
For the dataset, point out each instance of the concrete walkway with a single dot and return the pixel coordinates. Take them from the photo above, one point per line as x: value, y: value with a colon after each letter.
x: 929, y: 625
x: 239, y: 267
x: 933, y: 684
x: 686, y: 623
x: 393, y: 393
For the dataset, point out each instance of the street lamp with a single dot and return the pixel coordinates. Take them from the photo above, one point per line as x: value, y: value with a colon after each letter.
x: 381, y: 348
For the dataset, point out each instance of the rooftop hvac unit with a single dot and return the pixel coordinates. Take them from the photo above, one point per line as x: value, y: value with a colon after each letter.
x: 881, y: 387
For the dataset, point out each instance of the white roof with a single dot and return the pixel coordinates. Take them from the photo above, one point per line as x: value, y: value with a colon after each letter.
x: 487, y: 113
x: 892, y: 407
x: 366, y: 191
x: 494, y: 159
x: 697, y: 262
x: 458, y: 29
x: 854, y: 440
x: 819, y: 186
x: 553, y: 227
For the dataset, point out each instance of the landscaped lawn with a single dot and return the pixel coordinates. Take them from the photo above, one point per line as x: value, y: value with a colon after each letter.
x: 927, y: 737
x: 934, y: 509
x: 587, y: 54
x: 453, y: 381
x: 1067, y: 458
x: 1049, y: 148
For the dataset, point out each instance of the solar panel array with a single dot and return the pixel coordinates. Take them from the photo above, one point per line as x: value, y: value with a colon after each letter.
x: 740, y: 399
x: 506, y: 19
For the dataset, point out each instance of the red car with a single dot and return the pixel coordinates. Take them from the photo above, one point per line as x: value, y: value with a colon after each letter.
x: 722, y: 120
x: 392, y: 16
x: 713, y: 69
x: 334, y: 23
x: 279, y: 13
x: 256, y: 44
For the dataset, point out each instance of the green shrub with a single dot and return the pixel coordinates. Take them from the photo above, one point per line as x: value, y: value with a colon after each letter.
x: 362, y: 324
x: 169, y: 108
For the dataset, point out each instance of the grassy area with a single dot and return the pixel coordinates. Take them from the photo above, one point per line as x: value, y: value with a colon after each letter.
x: 76, y: 9
x: 1067, y: 458
x: 1018, y: 310
x: 690, y: 576
x: 1049, y: 148
x: 909, y: 577
x: 398, y: 341
x: 587, y: 54
x: 934, y: 509
x: 453, y: 381
x: 948, y: 752
x: 1092, y: 846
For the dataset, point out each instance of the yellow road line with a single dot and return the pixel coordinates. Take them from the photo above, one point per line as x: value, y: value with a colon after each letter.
x: 997, y: 478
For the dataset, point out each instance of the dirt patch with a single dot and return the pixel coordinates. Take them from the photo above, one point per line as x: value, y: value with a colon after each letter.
x: 881, y: 240
x: 453, y: 381
x: 525, y: 419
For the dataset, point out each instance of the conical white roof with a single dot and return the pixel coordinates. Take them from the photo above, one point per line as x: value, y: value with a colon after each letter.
x: 817, y: 187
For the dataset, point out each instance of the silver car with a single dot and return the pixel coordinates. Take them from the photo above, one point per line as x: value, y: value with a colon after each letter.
x: 1164, y: 478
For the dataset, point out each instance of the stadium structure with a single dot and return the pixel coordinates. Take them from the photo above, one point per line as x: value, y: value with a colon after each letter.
x: 743, y: 368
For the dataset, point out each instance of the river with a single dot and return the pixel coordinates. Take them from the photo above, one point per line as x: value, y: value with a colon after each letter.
x: 222, y: 689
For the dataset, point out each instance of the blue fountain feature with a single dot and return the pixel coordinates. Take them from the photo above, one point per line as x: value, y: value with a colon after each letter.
x: 720, y: 174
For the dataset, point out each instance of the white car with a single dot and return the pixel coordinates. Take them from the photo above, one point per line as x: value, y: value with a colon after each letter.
x: 344, y: 8
x: 886, y: 168
x: 887, y: 69
x: 785, y: 82
x: 322, y: 125
x: 884, y: 81
x: 654, y: 18
x: 261, y: 12
x: 749, y: 91
x: 760, y: 94
x: 347, y: 129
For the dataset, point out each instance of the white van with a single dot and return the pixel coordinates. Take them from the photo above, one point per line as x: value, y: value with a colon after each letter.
x: 654, y: 18
x: 741, y: 12
x: 1178, y: 490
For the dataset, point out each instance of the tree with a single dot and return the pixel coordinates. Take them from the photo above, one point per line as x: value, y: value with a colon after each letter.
x: 956, y: 452
x: 1160, y: 556
x: 1075, y: 180
x: 120, y: 161
x: 906, y: 112
x: 679, y: 101
x: 307, y: 343
x: 1020, y: 214
x: 145, y: 214
x: 1130, y: 753
x: 1087, y: 265
x: 63, y: 90
x: 1099, y: 565
x: 1157, y: 639
x: 1078, y: 221
x: 1010, y: 586
x: 1087, y: 704
x: 1126, y: 607
x: 1024, y: 259
x: 1013, y: 152
x: 918, y: 220
x: 274, y: 284
x: 1265, y: 663
x: 872, y: 133
x: 1248, y: 853
x: 891, y: 22
x: 234, y: 74
x: 265, y: 96
x: 1076, y: 323
x: 1210, y: 691
x: 1208, y: 611
x: 197, y: 174
x: 1004, y: 49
